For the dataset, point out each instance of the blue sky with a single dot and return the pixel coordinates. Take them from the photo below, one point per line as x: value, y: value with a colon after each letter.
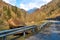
x: 27, y: 4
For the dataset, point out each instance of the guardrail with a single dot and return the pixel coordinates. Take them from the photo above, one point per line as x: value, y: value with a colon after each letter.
x: 5, y: 33
x: 46, y: 23
x: 41, y: 26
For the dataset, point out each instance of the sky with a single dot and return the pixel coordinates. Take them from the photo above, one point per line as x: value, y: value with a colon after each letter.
x: 27, y: 4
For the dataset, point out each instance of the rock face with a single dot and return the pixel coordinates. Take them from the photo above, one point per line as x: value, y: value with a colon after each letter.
x: 50, y: 10
x: 11, y: 15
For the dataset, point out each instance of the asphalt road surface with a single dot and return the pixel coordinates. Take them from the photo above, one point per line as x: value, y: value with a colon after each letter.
x: 49, y: 33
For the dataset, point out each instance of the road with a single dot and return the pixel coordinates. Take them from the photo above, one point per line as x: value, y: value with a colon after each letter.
x: 49, y: 33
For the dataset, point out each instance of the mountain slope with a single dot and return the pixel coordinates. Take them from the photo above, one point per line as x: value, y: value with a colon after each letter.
x: 50, y: 10
x: 32, y: 10
x: 11, y: 15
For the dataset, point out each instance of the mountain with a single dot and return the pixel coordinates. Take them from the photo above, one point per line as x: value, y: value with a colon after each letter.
x: 11, y: 16
x: 32, y: 10
x: 50, y: 10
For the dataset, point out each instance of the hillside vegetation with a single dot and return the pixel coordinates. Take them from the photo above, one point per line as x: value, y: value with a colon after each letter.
x: 50, y: 10
x: 11, y: 15
x: 14, y: 16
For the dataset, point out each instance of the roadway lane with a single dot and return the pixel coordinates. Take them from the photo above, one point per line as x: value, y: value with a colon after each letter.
x: 49, y: 33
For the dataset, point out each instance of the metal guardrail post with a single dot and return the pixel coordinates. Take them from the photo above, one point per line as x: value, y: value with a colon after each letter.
x: 33, y: 30
x: 24, y: 34
x: 3, y: 38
